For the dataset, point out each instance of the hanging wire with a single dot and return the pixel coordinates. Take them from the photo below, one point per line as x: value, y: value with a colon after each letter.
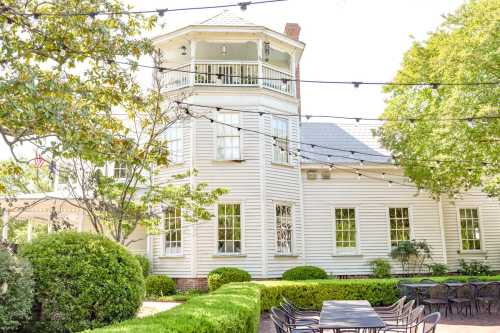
x: 160, y: 12
x: 314, y: 145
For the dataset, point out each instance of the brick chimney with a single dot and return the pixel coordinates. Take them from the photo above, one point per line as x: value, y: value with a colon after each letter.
x: 292, y: 30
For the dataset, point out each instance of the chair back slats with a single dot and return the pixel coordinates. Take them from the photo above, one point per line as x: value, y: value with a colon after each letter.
x: 466, y: 291
x: 491, y: 289
x: 439, y: 291
x: 277, y: 317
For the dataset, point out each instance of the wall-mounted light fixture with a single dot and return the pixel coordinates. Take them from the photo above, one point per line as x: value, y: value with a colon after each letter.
x: 183, y: 50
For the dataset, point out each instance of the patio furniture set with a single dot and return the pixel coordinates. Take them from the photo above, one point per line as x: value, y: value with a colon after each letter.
x: 354, y: 317
x: 465, y: 297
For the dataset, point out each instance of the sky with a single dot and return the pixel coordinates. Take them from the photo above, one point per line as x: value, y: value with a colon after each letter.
x: 346, y: 40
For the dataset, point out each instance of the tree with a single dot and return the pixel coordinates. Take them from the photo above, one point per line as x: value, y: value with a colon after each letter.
x: 118, y: 204
x: 450, y: 156
x: 59, y: 79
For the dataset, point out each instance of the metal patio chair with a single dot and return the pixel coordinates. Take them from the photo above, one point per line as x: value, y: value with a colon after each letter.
x: 282, y: 324
x: 438, y: 298
x: 395, y: 308
x: 414, y: 317
x: 428, y: 324
x: 401, y: 317
x: 488, y: 295
x: 462, y: 297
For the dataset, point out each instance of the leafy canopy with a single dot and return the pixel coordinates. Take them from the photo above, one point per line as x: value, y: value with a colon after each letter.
x: 465, y: 48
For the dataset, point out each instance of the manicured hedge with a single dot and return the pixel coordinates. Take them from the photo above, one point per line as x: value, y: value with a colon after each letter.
x: 159, y: 285
x: 224, y: 275
x: 312, y: 293
x: 305, y: 273
x: 233, y: 308
x: 82, y: 281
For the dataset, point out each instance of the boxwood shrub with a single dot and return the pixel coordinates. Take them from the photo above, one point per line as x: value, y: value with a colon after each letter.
x: 145, y: 265
x: 233, y: 308
x: 82, y: 281
x: 305, y: 273
x: 223, y: 275
x: 159, y: 285
x: 16, y: 291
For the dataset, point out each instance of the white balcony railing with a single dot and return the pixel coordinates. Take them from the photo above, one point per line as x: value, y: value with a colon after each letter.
x: 241, y: 74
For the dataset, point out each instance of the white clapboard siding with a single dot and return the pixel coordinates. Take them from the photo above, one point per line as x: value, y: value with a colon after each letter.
x: 489, y: 219
x: 372, y: 199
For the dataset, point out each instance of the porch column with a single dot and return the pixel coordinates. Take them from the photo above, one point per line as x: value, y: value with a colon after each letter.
x: 192, y: 67
x: 5, y: 226
x: 260, y: 59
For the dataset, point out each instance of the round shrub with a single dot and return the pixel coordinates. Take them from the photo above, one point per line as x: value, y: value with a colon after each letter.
x: 16, y: 291
x: 223, y: 275
x: 381, y: 268
x: 144, y: 262
x: 159, y: 285
x: 82, y: 281
x: 305, y: 273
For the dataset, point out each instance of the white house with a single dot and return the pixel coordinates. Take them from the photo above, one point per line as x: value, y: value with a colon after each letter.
x: 285, y: 206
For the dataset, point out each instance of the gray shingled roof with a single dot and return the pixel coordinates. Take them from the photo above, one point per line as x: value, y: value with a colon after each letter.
x: 226, y: 18
x: 347, y: 137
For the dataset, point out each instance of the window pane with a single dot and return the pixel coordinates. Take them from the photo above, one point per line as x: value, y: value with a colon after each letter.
x: 399, y: 223
x: 229, y: 228
x: 280, y: 145
x: 228, y: 138
x: 345, y: 222
x: 284, y: 229
x: 470, y: 231
x: 173, y: 231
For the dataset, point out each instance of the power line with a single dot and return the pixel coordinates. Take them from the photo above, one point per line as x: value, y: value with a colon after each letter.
x: 391, y: 159
x: 160, y: 12
x: 357, y: 119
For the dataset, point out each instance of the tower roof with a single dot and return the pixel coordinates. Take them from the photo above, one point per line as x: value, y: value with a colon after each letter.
x: 227, y: 18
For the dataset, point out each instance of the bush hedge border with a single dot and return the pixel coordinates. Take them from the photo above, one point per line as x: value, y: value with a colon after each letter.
x: 236, y: 307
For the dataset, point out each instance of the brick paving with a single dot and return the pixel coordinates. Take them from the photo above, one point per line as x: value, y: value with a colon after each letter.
x: 478, y: 323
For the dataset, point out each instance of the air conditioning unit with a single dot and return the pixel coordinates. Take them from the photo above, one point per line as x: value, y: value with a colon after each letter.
x: 325, y: 174
x: 312, y: 175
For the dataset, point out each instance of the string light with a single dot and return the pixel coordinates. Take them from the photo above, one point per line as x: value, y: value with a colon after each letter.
x: 160, y: 12
x: 392, y: 159
x: 357, y: 119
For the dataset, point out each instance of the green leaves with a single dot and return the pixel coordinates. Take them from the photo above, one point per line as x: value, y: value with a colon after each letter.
x: 450, y: 156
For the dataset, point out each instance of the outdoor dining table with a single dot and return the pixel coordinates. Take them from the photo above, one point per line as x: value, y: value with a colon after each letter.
x: 416, y: 286
x: 340, y: 315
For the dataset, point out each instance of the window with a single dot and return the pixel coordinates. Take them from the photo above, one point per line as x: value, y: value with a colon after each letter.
x: 469, y: 228
x: 400, y: 225
x: 173, y: 231
x: 228, y: 138
x: 229, y: 228
x: 120, y: 170
x: 280, y: 132
x: 345, y: 228
x: 173, y: 135
x: 284, y: 229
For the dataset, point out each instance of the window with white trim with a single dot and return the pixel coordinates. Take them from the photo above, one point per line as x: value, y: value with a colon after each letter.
x: 175, y: 143
x: 119, y: 170
x: 399, y: 220
x: 345, y: 228
x: 173, y: 231
x: 280, y: 147
x: 228, y: 137
x: 284, y: 229
x: 469, y: 229
x: 229, y: 228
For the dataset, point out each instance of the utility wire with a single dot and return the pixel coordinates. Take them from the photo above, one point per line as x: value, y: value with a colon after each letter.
x: 357, y: 119
x: 314, y: 145
x: 160, y: 12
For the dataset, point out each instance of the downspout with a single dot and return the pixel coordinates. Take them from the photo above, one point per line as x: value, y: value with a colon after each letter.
x: 441, y: 226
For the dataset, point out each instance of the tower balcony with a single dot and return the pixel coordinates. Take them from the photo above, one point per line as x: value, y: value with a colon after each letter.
x: 230, y: 74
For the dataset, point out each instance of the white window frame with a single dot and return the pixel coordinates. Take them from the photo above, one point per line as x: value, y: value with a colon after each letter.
x: 292, y: 229
x: 346, y: 250
x: 242, y: 232
x: 459, y: 228
x: 410, y: 220
x: 117, y: 166
x: 174, y: 135
x: 218, y: 126
x: 163, y: 234
x: 277, y: 148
